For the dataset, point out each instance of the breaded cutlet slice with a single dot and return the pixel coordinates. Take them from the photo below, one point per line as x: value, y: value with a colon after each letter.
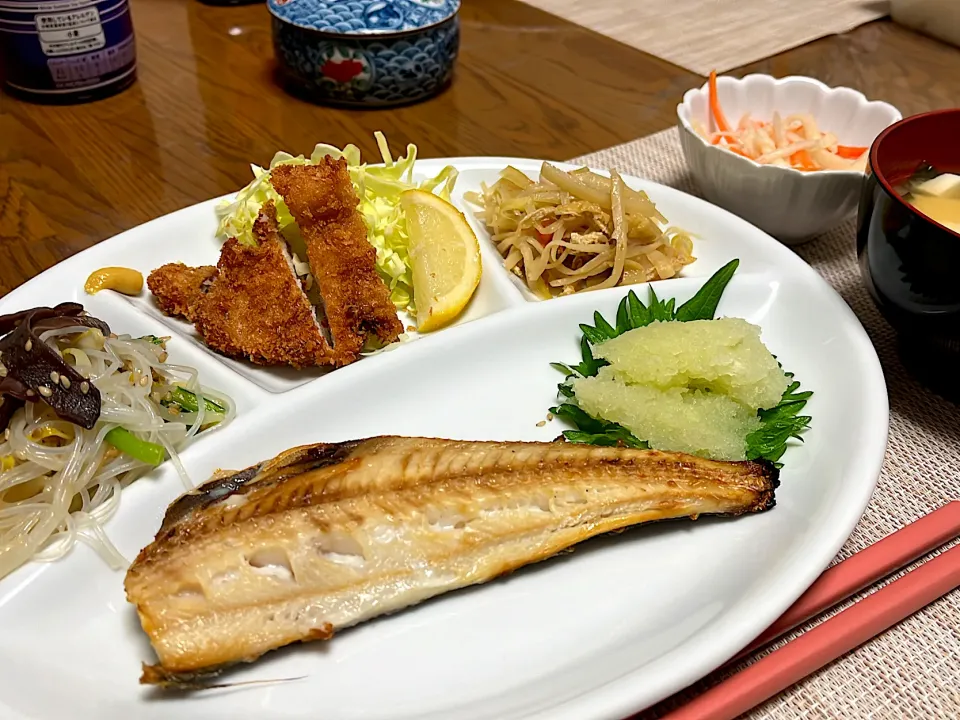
x: 179, y: 288
x: 357, y: 303
x: 256, y: 307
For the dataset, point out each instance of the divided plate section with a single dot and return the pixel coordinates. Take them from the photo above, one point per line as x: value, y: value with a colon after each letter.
x: 713, y: 246
x: 188, y: 236
x: 125, y: 319
x: 655, y: 608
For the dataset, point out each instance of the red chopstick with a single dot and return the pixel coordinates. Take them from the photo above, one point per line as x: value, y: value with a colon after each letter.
x: 863, y: 569
x: 826, y: 642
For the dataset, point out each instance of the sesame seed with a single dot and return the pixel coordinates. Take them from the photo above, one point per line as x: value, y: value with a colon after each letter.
x: 3, y: 370
x: 163, y: 357
x: 30, y: 393
x: 54, y: 377
x: 541, y: 423
x: 28, y: 345
x: 65, y: 381
x: 45, y: 391
x: 84, y: 387
x: 144, y: 380
x: 549, y: 416
x: 6, y: 434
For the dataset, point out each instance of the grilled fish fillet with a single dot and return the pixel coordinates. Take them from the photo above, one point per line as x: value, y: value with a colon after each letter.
x: 326, y: 536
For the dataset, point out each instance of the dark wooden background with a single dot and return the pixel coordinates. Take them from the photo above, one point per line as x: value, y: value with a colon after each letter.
x: 206, y: 105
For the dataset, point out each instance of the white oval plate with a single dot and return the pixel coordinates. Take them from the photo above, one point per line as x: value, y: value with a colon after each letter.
x: 618, y: 625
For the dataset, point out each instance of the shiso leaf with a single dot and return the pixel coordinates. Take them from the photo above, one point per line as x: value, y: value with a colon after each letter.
x: 703, y: 305
x: 594, y: 335
x: 589, y: 366
x: 592, y: 431
x: 639, y: 313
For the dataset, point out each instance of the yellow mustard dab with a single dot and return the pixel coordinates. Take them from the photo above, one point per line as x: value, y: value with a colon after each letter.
x: 123, y: 280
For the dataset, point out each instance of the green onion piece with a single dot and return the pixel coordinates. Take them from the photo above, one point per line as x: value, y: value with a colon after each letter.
x: 188, y: 402
x: 153, y: 339
x: 129, y: 444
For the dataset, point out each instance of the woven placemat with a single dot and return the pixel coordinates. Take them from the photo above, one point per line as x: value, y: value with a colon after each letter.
x: 911, y: 672
x: 704, y: 35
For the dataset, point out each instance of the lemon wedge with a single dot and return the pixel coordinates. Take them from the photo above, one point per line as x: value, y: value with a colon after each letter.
x: 444, y: 255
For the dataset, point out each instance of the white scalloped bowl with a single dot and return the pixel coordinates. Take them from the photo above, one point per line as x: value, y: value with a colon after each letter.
x: 791, y: 205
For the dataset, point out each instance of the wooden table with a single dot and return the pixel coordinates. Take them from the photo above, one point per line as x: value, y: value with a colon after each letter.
x: 206, y: 105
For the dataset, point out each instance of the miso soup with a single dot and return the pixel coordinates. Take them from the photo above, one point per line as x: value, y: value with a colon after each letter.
x: 936, y: 194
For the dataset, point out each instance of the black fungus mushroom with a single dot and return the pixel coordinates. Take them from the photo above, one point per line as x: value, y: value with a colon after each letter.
x: 31, y: 370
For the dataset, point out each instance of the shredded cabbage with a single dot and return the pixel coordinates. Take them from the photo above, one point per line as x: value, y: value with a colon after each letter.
x: 377, y: 186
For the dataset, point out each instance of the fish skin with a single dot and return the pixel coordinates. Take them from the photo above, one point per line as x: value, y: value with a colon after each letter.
x: 325, y: 536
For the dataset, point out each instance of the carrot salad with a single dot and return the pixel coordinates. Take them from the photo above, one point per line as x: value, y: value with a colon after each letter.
x: 793, y: 141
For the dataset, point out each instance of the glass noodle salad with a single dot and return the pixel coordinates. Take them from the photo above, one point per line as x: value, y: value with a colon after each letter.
x: 63, y: 464
x: 378, y: 187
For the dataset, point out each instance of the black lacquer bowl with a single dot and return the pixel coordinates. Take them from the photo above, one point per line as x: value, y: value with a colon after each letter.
x: 910, y: 263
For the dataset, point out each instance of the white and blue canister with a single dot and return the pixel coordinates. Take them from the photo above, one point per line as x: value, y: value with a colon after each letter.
x: 370, y: 53
x: 67, y: 51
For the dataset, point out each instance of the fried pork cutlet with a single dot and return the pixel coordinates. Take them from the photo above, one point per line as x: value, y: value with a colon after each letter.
x: 179, y: 288
x: 253, y: 303
x: 322, y: 200
x: 256, y: 307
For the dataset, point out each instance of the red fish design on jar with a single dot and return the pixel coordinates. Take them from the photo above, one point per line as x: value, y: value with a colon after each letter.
x: 342, y: 71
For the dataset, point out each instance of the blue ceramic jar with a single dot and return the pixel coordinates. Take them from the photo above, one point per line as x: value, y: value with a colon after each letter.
x: 366, y: 52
